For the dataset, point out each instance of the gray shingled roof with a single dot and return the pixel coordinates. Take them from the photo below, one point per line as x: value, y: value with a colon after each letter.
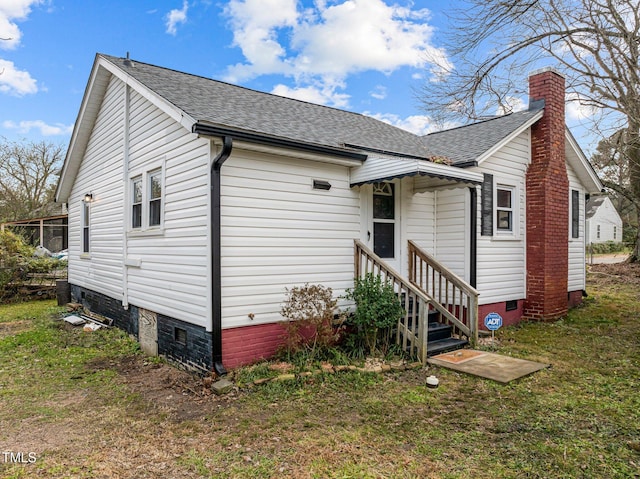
x: 593, y: 204
x: 467, y: 143
x: 239, y: 108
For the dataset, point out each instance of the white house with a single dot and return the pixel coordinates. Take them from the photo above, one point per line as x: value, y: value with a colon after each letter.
x: 603, y: 221
x: 194, y: 203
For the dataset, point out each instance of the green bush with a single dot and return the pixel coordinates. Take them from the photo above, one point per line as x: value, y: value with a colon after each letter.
x: 377, y: 312
x: 606, y: 248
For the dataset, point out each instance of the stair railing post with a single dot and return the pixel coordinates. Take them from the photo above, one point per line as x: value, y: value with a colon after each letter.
x: 473, y: 320
x: 423, y: 334
x: 356, y: 259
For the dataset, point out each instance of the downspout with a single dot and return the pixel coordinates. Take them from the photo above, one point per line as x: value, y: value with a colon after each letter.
x: 216, y: 251
x: 473, y: 232
x: 127, y: 192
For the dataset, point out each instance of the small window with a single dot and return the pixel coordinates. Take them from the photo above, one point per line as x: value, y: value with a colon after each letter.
x: 615, y: 232
x: 180, y: 336
x: 504, y: 209
x: 598, y: 232
x: 136, y: 203
x: 155, y: 198
x: 86, y: 223
x: 575, y: 214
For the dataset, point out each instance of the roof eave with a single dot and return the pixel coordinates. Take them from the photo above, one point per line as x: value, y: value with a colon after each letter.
x: 89, y: 109
x: 581, y: 165
x: 209, y: 130
x: 385, y: 169
x: 507, y: 139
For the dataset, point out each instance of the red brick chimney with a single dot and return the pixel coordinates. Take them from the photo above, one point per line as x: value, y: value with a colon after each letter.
x: 547, y: 203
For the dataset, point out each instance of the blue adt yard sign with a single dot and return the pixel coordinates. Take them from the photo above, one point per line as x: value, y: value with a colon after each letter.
x: 493, y: 321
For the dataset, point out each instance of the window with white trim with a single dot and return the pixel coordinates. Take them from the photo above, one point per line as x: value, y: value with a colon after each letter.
x: 615, y: 232
x: 86, y: 225
x: 136, y: 202
x: 146, y: 200
x: 505, y: 210
x: 598, y: 232
x: 155, y: 198
x: 575, y: 214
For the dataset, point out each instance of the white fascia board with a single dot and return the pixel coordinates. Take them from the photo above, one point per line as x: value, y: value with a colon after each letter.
x: 491, y: 151
x: 93, y: 93
x: 98, y: 80
x: 581, y: 165
x: 292, y: 153
x: 170, y: 109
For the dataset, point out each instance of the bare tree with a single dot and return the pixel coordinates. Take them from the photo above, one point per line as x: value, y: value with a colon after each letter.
x: 595, y: 43
x: 28, y: 172
x: 612, y: 165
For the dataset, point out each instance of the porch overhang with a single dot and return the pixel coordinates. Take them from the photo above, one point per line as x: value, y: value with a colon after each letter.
x: 376, y: 169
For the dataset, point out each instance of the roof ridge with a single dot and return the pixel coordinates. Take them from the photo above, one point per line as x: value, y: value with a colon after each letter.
x: 110, y: 57
x: 532, y: 107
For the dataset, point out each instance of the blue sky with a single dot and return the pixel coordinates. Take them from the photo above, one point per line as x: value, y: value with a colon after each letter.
x: 367, y: 56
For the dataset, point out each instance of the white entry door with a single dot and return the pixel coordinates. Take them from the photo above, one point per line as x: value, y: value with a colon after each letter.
x: 383, y: 233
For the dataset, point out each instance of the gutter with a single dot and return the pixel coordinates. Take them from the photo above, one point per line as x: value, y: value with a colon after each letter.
x: 216, y: 251
x: 216, y: 131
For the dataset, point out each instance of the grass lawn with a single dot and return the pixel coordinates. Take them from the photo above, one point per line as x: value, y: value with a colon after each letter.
x: 89, y: 405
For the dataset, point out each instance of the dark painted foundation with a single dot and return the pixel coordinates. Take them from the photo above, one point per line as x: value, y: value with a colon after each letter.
x: 183, y: 343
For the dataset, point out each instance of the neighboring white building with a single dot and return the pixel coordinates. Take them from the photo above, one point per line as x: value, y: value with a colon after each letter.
x: 194, y: 203
x: 603, y: 221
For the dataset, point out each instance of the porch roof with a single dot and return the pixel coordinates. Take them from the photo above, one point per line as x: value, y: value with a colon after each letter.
x: 376, y: 169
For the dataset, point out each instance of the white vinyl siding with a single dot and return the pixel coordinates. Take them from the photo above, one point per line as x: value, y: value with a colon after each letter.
x: 452, y: 230
x: 167, y: 266
x: 278, y: 232
x: 419, y: 212
x: 173, y: 273
x: 576, y: 279
x: 100, y: 175
x: 501, y: 262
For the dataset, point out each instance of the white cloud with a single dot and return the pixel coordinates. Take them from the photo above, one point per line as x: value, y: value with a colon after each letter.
x: 15, y: 82
x: 418, y: 124
x: 325, y: 95
x: 379, y: 92
x: 330, y: 40
x: 176, y: 17
x: 10, y: 11
x: 25, y: 127
x: 255, y: 30
x: 578, y: 107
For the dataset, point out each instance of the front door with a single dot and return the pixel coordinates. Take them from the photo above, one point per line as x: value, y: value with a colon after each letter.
x: 384, y: 222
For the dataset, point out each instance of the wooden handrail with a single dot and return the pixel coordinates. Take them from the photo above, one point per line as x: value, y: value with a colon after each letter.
x: 430, y: 287
x: 412, y: 327
x: 458, y: 298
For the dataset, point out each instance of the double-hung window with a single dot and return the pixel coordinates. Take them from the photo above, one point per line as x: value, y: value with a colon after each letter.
x: 147, y: 201
x: 155, y: 198
x: 505, y: 210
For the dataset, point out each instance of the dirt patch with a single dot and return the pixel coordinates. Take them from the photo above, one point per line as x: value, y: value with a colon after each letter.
x: 180, y: 394
x: 15, y: 327
x: 611, y: 274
